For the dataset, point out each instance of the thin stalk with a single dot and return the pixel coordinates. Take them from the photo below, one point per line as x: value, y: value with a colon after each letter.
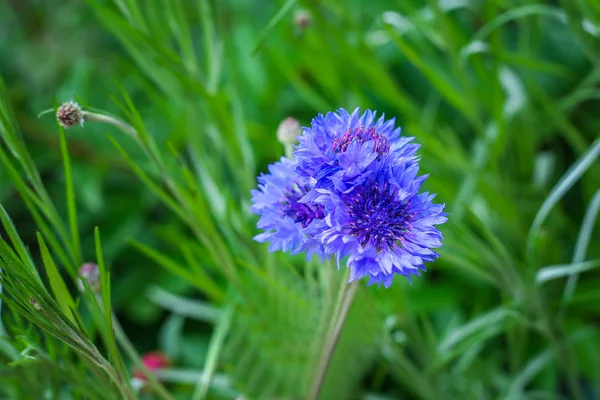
x: 134, y: 355
x: 130, y: 130
x: 123, y: 340
x: 346, y: 293
x: 289, y: 150
x: 562, y: 350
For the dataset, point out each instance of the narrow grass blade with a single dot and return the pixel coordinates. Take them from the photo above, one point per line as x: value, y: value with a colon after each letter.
x: 70, y: 196
x: 272, y: 23
x: 191, y: 308
x: 560, y: 271
x: 105, y: 287
x: 564, y: 184
x: 59, y: 288
x: 214, y: 350
x: 202, y: 282
x: 16, y: 241
x: 583, y: 241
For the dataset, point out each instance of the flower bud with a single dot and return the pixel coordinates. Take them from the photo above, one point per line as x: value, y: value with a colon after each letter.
x: 69, y: 114
x: 153, y: 361
x: 91, y: 273
x: 302, y: 19
x: 288, y: 131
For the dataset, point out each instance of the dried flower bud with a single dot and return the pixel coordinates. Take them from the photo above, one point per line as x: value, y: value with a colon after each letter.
x: 34, y: 303
x: 91, y: 273
x: 288, y: 131
x: 69, y: 114
x: 302, y: 19
x: 153, y: 361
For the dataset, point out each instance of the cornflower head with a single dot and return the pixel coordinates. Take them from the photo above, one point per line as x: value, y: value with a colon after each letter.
x: 352, y: 191
x: 289, y: 224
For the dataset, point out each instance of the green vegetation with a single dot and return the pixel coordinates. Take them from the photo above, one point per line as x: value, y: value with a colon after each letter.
x: 503, y: 95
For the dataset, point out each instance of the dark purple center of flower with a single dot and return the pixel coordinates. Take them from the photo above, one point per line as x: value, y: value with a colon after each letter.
x: 378, y: 217
x: 381, y: 144
x: 300, y: 212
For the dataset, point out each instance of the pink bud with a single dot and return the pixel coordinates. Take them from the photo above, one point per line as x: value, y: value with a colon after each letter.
x: 91, y: 273
x: 302, y: 19
x: 289, y: 129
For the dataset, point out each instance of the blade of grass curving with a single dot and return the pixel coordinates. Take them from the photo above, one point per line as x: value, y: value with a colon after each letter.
x: 509, y: 16
x: 16, y: 241
x: 39, y: 200
x: 564, y: 184
x: 70, y: 196
x: 213, y: 62
x: 59, y: 288
x: 214, y: 350
x: 582, y: 243
x: 533, y: 367
x: 202, y: 282
x: 148, y: 181
x: 131, y: 10
x: 196, y: 309
x: 443, y: 83
x: 560, y: 271
x: 272, y: 23
x: 490, y: 318
x: 105, y: 288
x: 176, y: 18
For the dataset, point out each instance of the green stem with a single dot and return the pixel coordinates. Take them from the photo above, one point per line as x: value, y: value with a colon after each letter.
x: 289, y: 150
x: 563, y: 352
x: 134, y: 355
x: 346, y: 295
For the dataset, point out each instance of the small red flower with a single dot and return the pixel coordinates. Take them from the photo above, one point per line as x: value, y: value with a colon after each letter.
x: 154, y: 361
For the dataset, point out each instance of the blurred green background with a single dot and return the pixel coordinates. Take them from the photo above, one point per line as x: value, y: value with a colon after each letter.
x: 503, y: 95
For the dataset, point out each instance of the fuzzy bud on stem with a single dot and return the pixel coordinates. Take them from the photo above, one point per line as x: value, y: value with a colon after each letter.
x: 302, y: 19
x: 69, y: 114
x: 287, y: 133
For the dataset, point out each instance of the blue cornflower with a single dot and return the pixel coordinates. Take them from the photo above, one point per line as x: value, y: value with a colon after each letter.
x: 289, y: 224
x: 383, y: 225
x: 352, y: 191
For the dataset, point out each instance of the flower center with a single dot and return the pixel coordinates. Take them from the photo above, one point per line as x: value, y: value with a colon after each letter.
x: 381, y: 144
x: 377, y: 217
x: 300, y: 212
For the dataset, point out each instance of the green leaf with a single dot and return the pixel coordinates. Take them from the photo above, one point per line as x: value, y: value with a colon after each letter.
x: 16, y: 240
x: 59, y: 288
x: 272, y: 23
x: 107, y: 308
x: 214, y: 350
x: 560, y: 189
x: 560, y: 271
x: 70, y: 195
x: 583, y: 241
x: 198, y: 277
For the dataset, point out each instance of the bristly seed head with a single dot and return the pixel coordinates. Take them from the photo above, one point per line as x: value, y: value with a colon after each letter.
x: 69, y: 114
x: 301, y: 212
x: 378, y: 217
x: 381, y: 144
